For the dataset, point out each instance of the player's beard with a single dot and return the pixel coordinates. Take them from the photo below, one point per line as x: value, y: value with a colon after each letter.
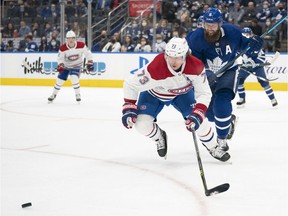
x: 212, y: 38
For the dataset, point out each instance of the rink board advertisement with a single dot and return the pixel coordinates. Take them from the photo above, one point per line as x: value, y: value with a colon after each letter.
x: 110, y: 69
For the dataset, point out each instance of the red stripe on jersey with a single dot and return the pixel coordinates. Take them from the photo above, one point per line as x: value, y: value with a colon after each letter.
x: 79, y: 45
x: 158, y: 68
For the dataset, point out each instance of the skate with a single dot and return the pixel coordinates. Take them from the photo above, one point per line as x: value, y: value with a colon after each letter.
x: 78, y: 98
x: 234, y: 120
x: 274, y: 102
x: 219, y: 154
x: 51, y: 98
x: 222, y: 143
x: 241, y: 103
x: 161, y: 144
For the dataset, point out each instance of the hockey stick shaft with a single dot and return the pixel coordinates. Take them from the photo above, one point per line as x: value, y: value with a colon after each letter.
x: 230, y: 63
x: 215, y: 190
x: 199, y: 162
x: 260, y: 77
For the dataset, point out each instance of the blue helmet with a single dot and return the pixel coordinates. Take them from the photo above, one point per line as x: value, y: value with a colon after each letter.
x: 212, y: 15
x: 247, y: 30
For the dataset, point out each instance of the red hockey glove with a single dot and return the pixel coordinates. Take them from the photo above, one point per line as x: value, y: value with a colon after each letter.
x: 129, y: 116
x: 60, y: 67
x: 194, y: 120
x: 90, y: 66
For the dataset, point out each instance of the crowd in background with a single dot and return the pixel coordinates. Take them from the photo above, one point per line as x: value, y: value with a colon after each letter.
x: 36, y: 22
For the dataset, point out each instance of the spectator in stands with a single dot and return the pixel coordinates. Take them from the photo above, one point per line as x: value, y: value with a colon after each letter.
x: 36, y: 30
x: 160, y: 43
x: 194, y: 11
x: 177, y: 27
x: 10, y: 46
x: 48, y: 30
x: 13, y: 10
x: 183, y: 14
x: 134, y: 31
x: 168, y: 11
x: 104, y: 6
x: 270, y: 39
x: 46, y: 12
x: 146, y: 29
x: 54, y: 44
x: 8, y: 31
x: 236, y: 16
x: 127, y: 44
x: 113, y: 45
x: 23, y: 29
x: 2, y: 44
x: 255, y: 27
x: 264, y: 12
x: 31, y: 46
x: 143, y: 46
x: 77, y: 30
x: 22, y: 45
x: 164, y: 30
x: 103, y: 40
x: 250, y: 13
x: 278, y: 15
x: 29, y: 10
x: 43, y: 44
x: 70, y: 10
x: 82, y: 9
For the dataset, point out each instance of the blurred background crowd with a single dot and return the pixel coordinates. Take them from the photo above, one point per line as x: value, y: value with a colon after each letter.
x: 38, y: 22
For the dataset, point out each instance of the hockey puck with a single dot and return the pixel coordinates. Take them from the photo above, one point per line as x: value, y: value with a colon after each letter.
x: 25, y: 205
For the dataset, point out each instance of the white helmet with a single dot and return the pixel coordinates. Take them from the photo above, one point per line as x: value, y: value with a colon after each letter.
x: 70, y: 34
x: 177, y: 47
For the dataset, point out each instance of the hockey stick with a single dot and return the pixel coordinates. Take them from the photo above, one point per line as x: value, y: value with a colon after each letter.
x: 230, y: 63
x: 208, y: 192
x: 261, y: 78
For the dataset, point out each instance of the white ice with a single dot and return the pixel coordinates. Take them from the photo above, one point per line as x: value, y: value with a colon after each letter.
x: 71, y: 159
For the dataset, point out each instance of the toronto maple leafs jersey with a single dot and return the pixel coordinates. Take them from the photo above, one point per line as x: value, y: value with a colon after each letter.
x: 216, y: 55
x: 164, y: 83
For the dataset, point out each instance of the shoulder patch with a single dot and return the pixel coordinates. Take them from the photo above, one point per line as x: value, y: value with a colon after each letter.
x: 158, y: 68
x: 194, y: 66
x: 80, y: 44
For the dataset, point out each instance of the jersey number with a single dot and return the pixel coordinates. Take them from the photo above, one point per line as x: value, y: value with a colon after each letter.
x: 143, y: 79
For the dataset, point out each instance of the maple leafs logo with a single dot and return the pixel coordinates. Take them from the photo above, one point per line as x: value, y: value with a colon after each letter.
x: 216, y: 64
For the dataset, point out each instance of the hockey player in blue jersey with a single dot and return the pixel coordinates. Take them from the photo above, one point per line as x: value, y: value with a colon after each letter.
x: 258, y: 71
x: 215, y: 45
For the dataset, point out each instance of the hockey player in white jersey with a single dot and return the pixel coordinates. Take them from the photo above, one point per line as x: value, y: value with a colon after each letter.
x: 215, y: 45
x: 256, y: 70
x: 70, y: 61
x: 172, y: 78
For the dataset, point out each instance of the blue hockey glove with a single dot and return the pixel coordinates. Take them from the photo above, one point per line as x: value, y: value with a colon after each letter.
x: 194, y: 120
x: 129, y: 116
x: 60, y: 67
x: 255, y: 44
x: 90, y: 66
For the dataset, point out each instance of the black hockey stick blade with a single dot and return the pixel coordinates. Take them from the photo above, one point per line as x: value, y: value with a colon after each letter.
x: 219, y: 189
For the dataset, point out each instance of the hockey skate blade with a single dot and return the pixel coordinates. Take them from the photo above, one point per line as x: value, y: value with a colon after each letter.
x: 219, y: 189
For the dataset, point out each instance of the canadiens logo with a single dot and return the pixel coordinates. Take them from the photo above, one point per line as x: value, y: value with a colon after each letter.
x: 73, y: 57
x: 181, y: 90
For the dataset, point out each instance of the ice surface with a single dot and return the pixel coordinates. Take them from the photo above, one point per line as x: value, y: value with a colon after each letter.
x: 72, y: 159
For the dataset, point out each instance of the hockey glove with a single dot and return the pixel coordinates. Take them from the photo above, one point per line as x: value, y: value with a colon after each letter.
x: 60, y: 67
x: 194, y: 120
x: 129, y: 116
x: 255, y: 44
x: 90, y: 65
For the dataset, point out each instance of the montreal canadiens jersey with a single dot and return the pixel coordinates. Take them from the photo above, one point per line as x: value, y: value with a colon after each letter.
x: 165, y: 84
x: 73, y: 57
x: 216, y: 55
